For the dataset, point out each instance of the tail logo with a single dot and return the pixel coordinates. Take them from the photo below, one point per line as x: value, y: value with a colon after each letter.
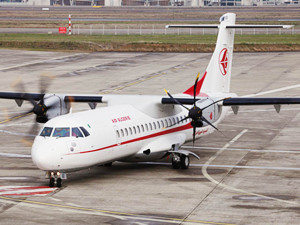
x: 223, y: 61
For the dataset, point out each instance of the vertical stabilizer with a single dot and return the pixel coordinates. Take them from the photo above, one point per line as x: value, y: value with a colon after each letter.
x: 217, y: 76
x: 218, y: 72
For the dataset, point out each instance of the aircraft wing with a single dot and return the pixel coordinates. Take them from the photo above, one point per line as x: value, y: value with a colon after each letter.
x: 21, y: 96
x: 83, y: 98
x: 38, y: 96
x: 260, y: 101
x: 239, y: 101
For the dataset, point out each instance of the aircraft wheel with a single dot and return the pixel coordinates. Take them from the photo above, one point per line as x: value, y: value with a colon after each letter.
x: 108, y: 164
x: 184, y: 162
x: 58, y: 182
x: 175, y: 163
x: 51, y: 182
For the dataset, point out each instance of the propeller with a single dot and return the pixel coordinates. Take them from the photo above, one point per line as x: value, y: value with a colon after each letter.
x: 195, y: 113
x: 39, y: 107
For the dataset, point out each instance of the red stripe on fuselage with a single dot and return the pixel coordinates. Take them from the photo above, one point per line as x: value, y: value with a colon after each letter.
x: 173, y: 130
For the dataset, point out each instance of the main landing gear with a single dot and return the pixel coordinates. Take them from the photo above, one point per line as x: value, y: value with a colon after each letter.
x: 55, y: 178
x: 180, y: 161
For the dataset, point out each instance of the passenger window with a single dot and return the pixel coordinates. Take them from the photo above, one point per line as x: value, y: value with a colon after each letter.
x: 150, y: 125
x: 130, y: 130
x: 154, y: 126
x: 143, y: 129
x: 118, y: 134
x: 126, y: 132
x: 84, y: 131
x: 61, y: 132
x: 146, y: 125
x: 76, y: 132
x: 170, y: 122
x: 46, y: 132
x: 173, y: 120
x: 177, y: 119
x: 162, y: 124
x: 138, y: 128
x: 158, y: 125
x: 134, y: 130
x: 166, y: 122
x: 122, y: 133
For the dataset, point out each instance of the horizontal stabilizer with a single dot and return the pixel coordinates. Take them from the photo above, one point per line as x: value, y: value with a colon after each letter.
x: 236, y: 26
x: 258, y: 26
x: 193, y: 26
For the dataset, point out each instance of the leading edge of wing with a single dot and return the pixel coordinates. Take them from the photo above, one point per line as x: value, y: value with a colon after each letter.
x: 260, y: 101
x: 20, y: 96
x: 83, y: 98
x: 239, y: 101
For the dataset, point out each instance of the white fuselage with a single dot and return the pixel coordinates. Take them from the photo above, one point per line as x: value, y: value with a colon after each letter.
x: 118, y: 133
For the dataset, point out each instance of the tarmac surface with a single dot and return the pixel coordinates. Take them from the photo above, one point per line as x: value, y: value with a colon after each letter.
x: 251, y: 176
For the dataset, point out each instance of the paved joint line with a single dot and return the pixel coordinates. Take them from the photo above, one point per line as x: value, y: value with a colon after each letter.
x: 145, y: 78
x: 38, y: 62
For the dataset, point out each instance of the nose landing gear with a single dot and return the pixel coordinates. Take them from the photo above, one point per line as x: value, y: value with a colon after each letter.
x: 55, y: 178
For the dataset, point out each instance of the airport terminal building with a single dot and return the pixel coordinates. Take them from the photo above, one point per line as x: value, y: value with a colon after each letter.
x: 188, y: 3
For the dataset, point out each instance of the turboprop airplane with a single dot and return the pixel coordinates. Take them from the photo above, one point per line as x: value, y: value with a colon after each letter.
x: 136, y: 128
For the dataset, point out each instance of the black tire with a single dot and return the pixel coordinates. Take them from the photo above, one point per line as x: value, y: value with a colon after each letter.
x: 108, y: 164
x: 59, y: 182
x: 175, y: 164
x: 184, y: 162
x: 51, y: 182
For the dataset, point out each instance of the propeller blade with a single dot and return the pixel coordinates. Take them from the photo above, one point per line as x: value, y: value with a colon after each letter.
x: 17, y: 117
x: 194, y: 135
x: 45, y: 81
x: 205, y: 120
x: 195, y: 88
x: 19, y: 87
x: 175, y: 100
x: 28, y: 139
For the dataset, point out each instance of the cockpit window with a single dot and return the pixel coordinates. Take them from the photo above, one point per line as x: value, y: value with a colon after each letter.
x: 76, y: 132
x: 61, y: 132
x: 86, y: 133
x: 46, y: 132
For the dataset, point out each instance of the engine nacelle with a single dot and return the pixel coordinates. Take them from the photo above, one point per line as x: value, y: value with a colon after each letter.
x: 54, y: 106
x: 211, y: 113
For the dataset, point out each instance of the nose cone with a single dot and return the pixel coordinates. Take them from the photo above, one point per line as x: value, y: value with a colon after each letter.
x: 43, y: 156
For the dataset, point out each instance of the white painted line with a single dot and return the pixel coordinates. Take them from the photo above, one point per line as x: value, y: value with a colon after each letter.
x: 13, y: 178
x: 273, y: 91
x: 243, y: 149
x: 25, y: 190
x: 17, y: 134
x: 228, y: 166
x: 11, y: 155
x: 219, y: 183
x: 249, y: 167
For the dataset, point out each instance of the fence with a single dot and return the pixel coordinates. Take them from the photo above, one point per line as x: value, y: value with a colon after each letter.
x: 122, y: 29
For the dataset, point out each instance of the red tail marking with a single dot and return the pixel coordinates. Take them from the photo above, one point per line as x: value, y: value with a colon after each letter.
x: 190, y: 91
